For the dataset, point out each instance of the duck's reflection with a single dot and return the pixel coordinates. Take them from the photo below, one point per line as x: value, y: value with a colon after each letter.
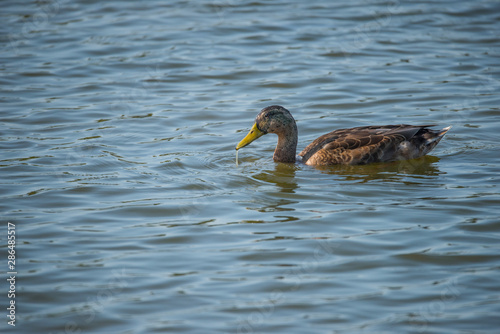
x: 279, y: 192
x: 422, y: 167
x: 283, y: 177
x: 278, y: 197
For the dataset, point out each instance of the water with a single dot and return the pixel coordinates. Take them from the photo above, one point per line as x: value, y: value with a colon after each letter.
x: 118, y: 127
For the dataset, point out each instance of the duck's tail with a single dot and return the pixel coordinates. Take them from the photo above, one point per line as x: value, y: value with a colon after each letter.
x: 432, y: 138
x: 437, y: 135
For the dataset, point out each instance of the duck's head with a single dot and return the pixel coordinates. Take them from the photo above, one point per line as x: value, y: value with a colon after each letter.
x: 272, y: 119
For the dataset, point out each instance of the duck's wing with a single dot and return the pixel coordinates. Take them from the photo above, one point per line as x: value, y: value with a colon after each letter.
x: 360, y: 145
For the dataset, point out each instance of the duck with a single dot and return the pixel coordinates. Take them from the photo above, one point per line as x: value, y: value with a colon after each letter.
x: 354, y: 146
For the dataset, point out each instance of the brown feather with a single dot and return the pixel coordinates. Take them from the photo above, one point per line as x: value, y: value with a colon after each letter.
x: 367, y: 144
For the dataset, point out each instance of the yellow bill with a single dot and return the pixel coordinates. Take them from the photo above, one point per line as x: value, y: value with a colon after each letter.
x: 250, y: 137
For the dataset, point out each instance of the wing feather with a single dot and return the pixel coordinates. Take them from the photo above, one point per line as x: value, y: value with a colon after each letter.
x: 358, y: 145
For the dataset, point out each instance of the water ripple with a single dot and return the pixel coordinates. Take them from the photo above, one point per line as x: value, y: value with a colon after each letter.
x: 119, y: 122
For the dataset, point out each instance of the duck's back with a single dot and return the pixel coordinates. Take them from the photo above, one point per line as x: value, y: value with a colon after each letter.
x: 369, y: 144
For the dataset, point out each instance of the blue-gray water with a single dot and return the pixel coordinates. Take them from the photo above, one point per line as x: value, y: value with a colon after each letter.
x: 118, y: 126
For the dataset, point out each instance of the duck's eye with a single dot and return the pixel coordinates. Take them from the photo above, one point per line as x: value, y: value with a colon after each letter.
x: 269, y: 114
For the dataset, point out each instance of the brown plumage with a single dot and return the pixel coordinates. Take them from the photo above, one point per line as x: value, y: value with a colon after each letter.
x: 360, y: 145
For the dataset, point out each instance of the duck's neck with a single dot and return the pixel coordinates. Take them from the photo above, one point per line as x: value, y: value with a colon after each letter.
x: 287, y: 145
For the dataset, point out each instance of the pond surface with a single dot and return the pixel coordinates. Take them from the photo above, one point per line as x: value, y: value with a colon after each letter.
x: 118, y: 126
